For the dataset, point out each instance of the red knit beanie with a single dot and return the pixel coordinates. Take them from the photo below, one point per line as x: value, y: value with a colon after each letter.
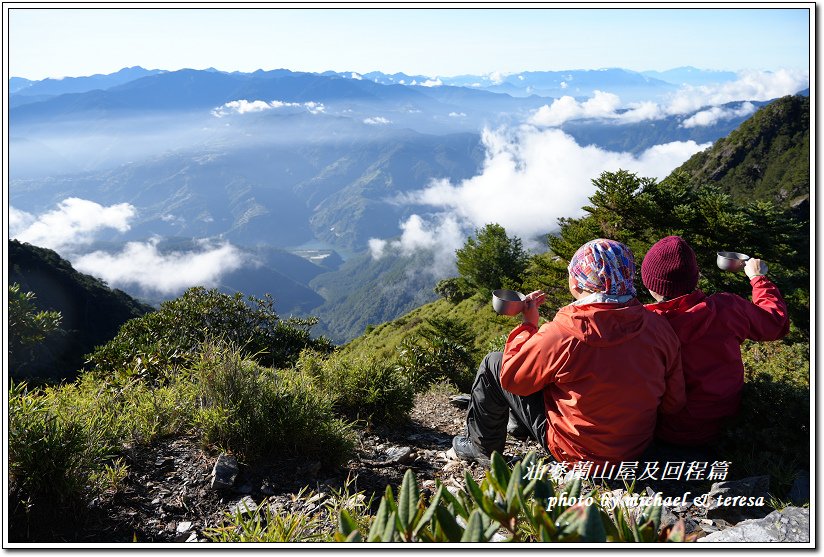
x: 669, y: 268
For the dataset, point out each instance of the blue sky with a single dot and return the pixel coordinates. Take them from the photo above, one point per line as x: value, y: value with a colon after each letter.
x: 64, y: 41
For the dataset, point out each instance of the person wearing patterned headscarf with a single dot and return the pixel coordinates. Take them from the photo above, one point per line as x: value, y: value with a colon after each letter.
x: 588, y: 384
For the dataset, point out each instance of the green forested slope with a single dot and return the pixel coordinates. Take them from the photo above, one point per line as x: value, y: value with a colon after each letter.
x: 92, y: 312
x: 767, y: 157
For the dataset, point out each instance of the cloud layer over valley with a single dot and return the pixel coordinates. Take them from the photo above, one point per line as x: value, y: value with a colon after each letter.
x: 531, y: 177
x: 75, y: 224
x: 750, y: 86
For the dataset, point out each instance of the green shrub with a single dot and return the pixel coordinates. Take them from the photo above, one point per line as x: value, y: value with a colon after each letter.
x: 772, y: 431
x: 27, y: 327
x: 259, y: 412
x: 442, y: 349
x: 161, y: 343
x: 51, y: 456
x: 453, y: 289
x: 361, y: 388
x: 491, y: 260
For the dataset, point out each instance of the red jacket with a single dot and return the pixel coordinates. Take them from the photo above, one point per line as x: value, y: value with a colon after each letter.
x: 711, y: 330
x: 605, y: 370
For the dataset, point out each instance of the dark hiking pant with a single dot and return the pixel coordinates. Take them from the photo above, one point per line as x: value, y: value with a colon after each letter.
x: 490, y: 405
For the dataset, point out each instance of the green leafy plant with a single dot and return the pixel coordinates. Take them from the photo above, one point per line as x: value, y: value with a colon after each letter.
x: 267, y: 525
x: 509, y: 504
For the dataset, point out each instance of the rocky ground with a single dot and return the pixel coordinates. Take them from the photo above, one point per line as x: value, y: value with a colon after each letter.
x: 171, y: 493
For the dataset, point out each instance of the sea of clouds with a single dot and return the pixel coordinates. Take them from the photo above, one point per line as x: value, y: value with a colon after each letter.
x: 535, y: 173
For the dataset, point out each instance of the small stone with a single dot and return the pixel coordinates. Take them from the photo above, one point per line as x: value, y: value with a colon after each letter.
x: 164, y: 461
x: 400, y: 455
x: 224, y: 472
x: 460, y: 401
x: 184, y: 527
x: 768, y: 529
x: 244, y: 506
x: 192, y: 537
x: 452, y: 455
x: 755, y: 486
x: 319, y: 496
x: 451, y: 465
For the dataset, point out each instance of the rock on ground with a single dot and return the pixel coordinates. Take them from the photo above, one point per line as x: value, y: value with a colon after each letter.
x: 789, y: 525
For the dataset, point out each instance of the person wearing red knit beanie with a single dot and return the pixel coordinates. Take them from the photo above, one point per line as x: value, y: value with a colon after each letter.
x: 711, y: 330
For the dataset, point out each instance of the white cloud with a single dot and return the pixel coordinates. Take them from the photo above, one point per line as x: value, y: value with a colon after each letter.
x: 19, y: 221
x: 314, y: 108
x: 457, y: 114
x: 496, y: 77
x: 600, y: 105
x: 432, y: 83
x: 442, y: 233
x: 377, y: 247
x: 243, y: 106
x: 530, y: 178
x: 564, y: 85
x: 716, y: 114
x: 638, y: 112
x: 377, y: 121
x: 74, y: 222
x: 144, y: 266
x: 750, y: 86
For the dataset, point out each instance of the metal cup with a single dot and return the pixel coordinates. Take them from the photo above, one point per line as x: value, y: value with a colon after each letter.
x: 507, y: 302
x: 731, y: 261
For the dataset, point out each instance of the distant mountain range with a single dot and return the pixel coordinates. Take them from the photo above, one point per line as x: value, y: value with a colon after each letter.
x: 521, y: 84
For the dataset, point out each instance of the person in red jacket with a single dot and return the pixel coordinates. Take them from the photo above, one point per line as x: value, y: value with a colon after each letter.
x: 587, y: 385
x: 711, y: 330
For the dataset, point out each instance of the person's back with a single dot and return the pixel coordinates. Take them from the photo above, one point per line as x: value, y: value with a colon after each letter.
x: 711, y: 330
x: 605, y: 364
x: 604, y: 369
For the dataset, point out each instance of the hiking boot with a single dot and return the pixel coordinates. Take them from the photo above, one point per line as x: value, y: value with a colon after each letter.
x: 466, y: 450
x: 516, y: 429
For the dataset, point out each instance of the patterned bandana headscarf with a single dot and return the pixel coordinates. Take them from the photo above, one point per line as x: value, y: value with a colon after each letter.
x: 604, y: 266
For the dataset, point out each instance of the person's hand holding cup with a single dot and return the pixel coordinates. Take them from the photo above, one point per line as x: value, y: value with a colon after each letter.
x: 755, y: 268
x: 532, y: 302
